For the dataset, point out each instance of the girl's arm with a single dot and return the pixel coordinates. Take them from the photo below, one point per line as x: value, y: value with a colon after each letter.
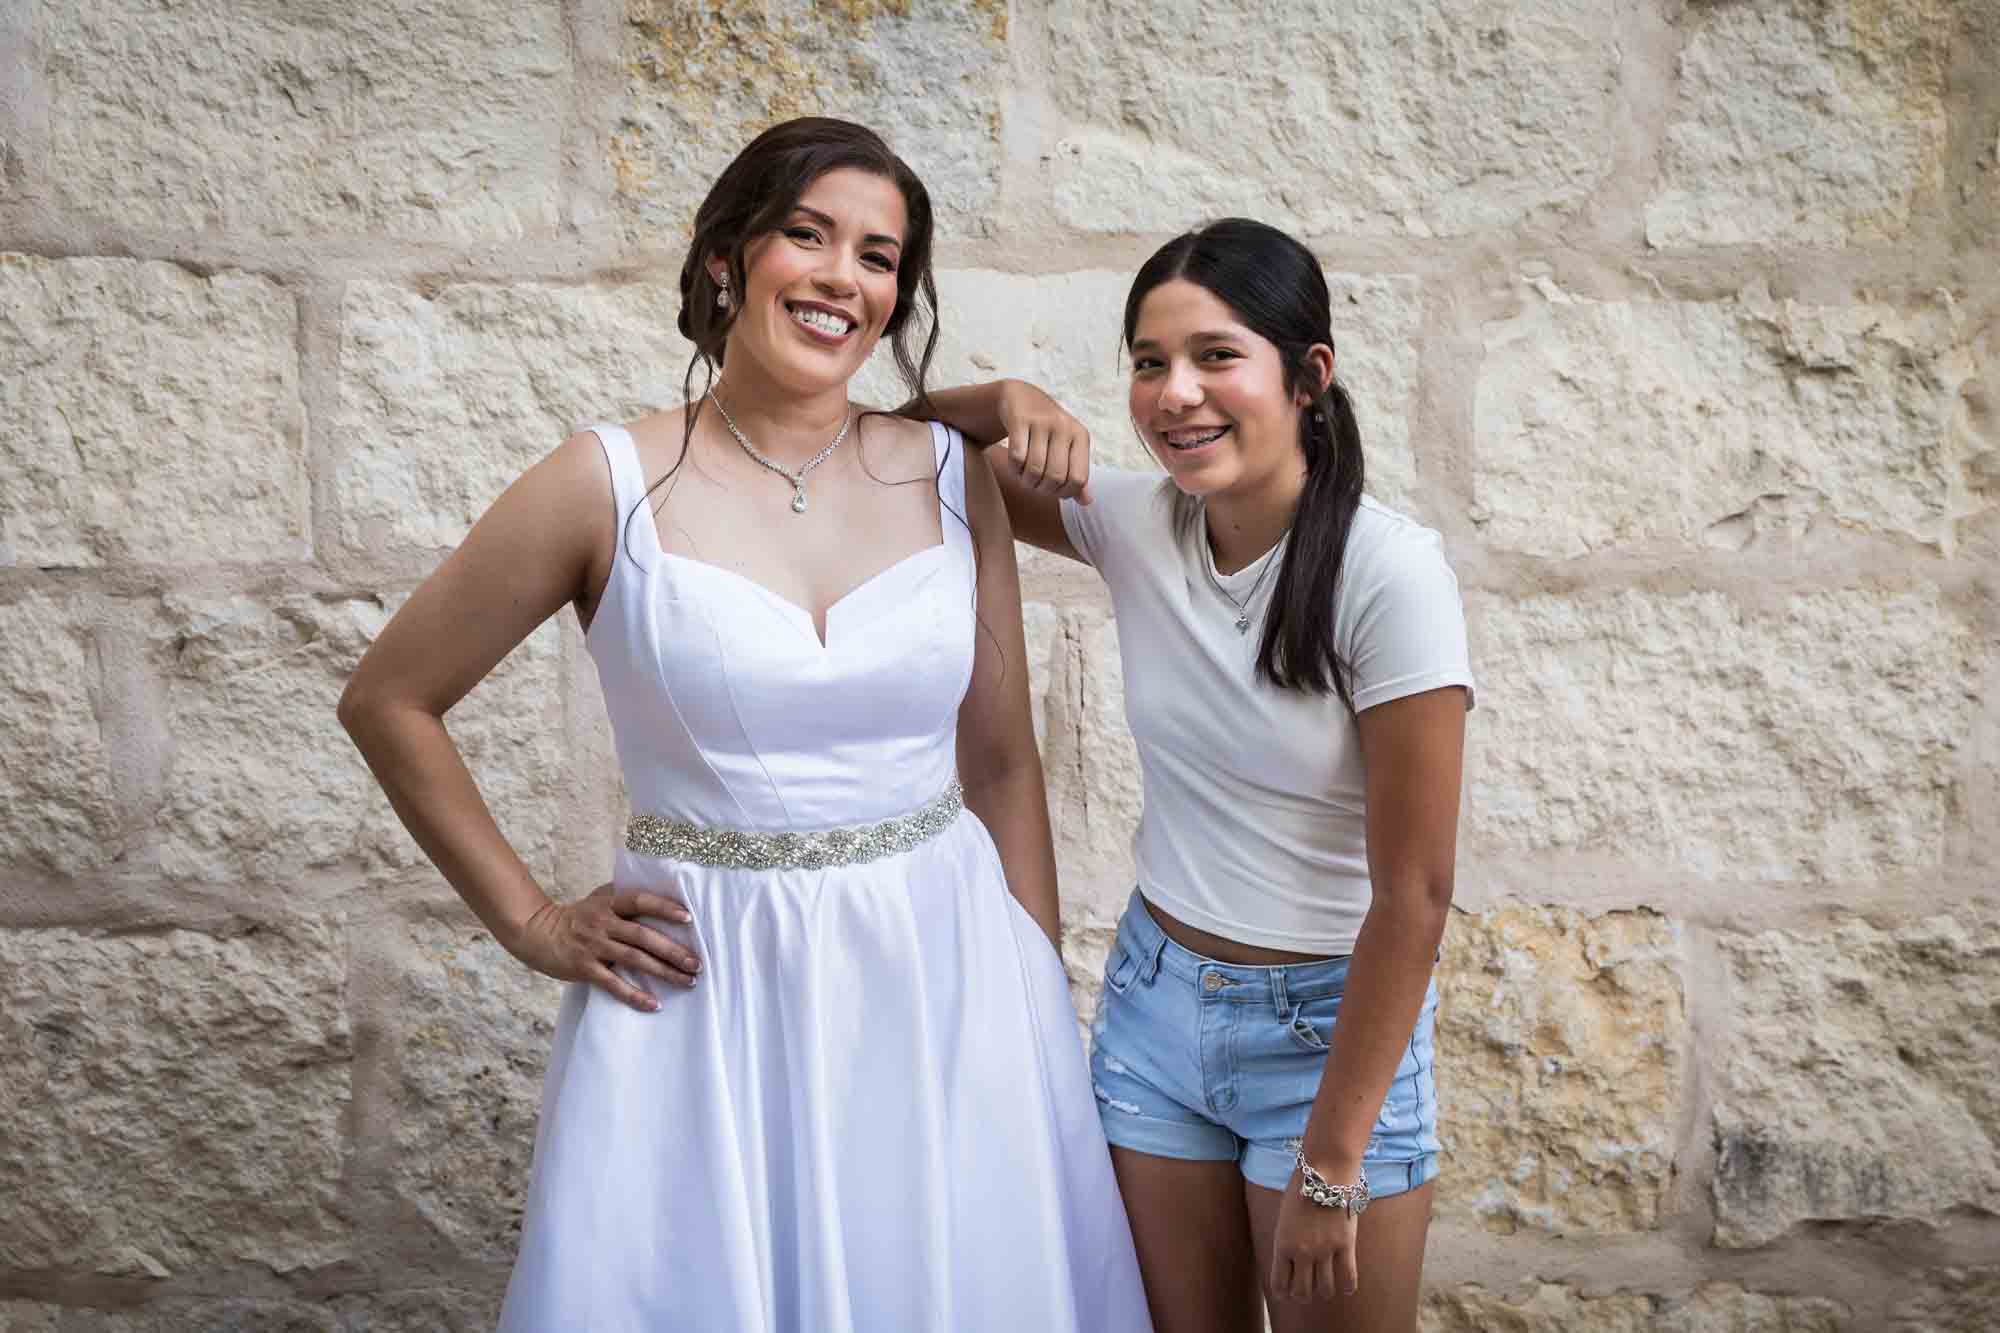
x: 546, y: 542
x: 997, y: 760
x: 1414, y: 749
x: 1047, y: 458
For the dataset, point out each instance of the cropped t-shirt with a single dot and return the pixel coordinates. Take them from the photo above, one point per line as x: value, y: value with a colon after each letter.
x: 1254, y: 824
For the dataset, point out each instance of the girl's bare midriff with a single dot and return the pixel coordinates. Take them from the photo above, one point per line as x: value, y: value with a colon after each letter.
x: 1221, y: 950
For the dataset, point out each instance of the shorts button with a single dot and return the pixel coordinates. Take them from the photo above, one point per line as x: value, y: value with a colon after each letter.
x: 1213, y: 982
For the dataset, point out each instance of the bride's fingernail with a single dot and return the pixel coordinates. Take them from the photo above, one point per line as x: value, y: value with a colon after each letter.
x: 682, y: 915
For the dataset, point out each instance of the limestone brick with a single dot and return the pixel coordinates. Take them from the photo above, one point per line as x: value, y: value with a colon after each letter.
x: 419, y: 120
x: 1816, y: 736
x: 702, y: 81
x: 1609, y: 424
x: 1559, y: 1069
x: 1373, y: 118
x: 1847, y: 1047
x: 446, y: 399
x: 262, y: 782
x: 1841, y: 142
x: 198, y: 1081
x: 147, y: 414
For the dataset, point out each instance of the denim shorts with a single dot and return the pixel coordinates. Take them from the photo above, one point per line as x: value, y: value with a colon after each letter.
x: 1212, y: 1062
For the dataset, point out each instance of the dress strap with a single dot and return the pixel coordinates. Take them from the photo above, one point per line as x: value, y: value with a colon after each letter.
x: 628, y: 492
x: 950, y: 450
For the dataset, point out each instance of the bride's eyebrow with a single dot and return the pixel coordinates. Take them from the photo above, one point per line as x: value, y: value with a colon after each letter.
x: 825, y: 220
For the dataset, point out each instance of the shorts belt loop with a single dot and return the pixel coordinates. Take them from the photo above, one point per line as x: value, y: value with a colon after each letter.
x: 1151, y: 967
x: 1278, y: 995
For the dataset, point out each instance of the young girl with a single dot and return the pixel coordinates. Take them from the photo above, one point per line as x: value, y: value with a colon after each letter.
x: 817, y: 1069
x: 1296, y: 679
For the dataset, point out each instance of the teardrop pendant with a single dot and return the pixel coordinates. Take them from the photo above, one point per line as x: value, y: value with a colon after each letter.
x: 799, y: 500
x: 1243, y: 623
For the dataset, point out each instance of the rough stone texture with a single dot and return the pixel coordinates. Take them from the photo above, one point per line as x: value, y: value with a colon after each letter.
x: 262, y: 783
x: 1816, y: 737
x: 1613, y: 423
x: 1804, y: 123
x: 147, y: 414
x: 1375, y: 118
x: 445, y: 400
x: 1848, y: 1049
x: 1713, y: 1307
x: 1559, y: 1069
x: 702, y: 81
x: 1955, y: 1300
x: 1095, y: 790
x: 199, y: 1082
x: 57, y: 804
x: 471, y: 1038
x: 421, y: 119
x: 1063, y: 332
x: 414, y: 1311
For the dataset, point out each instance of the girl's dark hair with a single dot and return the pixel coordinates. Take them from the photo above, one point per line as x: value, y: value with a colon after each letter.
x: 1278, y: 290
x: 753, y: 196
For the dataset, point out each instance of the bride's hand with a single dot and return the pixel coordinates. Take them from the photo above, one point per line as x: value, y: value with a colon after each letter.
x: 1049, y: 448
x: 585, y: 939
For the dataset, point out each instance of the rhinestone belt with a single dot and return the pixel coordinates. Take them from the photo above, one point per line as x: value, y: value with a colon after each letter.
x: 736, y: 849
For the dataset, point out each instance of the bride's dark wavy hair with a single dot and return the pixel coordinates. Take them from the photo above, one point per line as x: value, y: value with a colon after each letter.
x: 754, y: 196
x: 1277, y: 288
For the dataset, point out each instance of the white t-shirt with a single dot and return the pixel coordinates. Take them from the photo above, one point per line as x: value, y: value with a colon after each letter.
x: 1254, y: 825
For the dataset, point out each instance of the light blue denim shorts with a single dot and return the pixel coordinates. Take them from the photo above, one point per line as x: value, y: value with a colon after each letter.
x: 1212, y: 1062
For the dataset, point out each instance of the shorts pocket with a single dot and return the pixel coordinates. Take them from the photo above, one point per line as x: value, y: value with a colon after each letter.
x: 1310, y: 1031
x: 1121, y: 969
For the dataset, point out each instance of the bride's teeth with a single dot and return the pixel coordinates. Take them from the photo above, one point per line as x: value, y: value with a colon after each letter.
x: 822, y: 320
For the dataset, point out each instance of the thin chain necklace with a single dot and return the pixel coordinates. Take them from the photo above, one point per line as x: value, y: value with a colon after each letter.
x: 798, y: 478
x: 1208, y: 568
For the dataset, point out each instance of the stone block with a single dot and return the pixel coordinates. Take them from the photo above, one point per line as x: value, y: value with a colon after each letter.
x: 1373, y: 118
x: 1609, y: 424
x: 147, y: 414
x: 58, y: 806
x: 262, y: 783
x: 471, y: 1032
x: 1803, y: 123
x: 1559, y: 1069
x: 417, y: 120
x: 444, y: 400
x: 1814, y: 737
x: 702, y: 81
x: 177, y: 1100
x: 1095, y: 790
x: 1857, y: 1078
x: 1547, y: 1307
x: 1954, y: 1300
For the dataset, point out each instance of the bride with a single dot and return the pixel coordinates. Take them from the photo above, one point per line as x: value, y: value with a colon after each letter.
x: 817, y: 1068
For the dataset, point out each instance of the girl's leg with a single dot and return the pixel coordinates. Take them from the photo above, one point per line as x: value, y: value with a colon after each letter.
x: 1193, y: 1236
x: 1388, y: 1255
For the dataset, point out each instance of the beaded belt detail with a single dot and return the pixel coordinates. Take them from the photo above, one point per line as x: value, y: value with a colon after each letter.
x: 737, y: 849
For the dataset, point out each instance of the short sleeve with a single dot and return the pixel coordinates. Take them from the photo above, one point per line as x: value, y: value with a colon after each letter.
x: 1121, y: 503
x: 1400, y: 623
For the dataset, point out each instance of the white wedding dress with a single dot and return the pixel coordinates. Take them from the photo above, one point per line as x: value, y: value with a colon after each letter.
x: 872, y: 1113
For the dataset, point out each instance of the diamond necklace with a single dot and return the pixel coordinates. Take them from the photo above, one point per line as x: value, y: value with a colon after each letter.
x: 798, y: 478
x: 1242, y: 607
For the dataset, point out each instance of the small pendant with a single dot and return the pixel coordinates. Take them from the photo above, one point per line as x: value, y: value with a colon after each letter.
x: 798, y: 502
x: 1243, y: 623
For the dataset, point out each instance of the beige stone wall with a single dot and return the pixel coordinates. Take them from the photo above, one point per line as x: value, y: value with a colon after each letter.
x: 1678, y: 317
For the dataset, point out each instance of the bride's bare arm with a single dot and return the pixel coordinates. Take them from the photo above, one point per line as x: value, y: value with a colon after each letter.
x: 997, y: 759
x: 546, y: 542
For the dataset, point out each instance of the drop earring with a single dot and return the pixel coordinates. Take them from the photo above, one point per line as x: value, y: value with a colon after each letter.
x: 722, y: 291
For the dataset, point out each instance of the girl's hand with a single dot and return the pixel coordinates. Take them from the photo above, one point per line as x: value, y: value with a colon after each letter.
x: 1312, y: 1252
x: 584, y: 940
x: 1049, y: 448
